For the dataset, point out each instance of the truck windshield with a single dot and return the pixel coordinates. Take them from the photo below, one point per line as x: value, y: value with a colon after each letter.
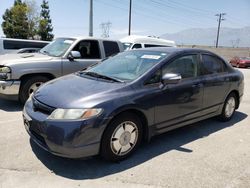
x: 58, y: 47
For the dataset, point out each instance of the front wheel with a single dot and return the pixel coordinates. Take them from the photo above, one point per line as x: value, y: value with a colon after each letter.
x: 122, y: 137
x: 228, y: 108
x: 29, y: 86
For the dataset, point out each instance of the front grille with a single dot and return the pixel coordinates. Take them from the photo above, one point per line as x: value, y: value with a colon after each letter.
x: 41, y: 107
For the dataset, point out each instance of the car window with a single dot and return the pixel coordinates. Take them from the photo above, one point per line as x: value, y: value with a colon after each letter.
x: 156, y: 78
x: 136, y: 46
x: 110, y: 48
x: 153, y: 45
x: 15, y: 45
x: 211, y: 65
x: 186, y: 66
x: 89, y: 49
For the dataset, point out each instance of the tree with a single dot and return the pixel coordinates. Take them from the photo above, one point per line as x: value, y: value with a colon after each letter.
x: 15, y: 21
x: 33, y: 17
x: 45, y: 23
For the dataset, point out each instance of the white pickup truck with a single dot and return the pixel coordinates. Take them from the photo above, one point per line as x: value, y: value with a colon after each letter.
x: 22, y: 74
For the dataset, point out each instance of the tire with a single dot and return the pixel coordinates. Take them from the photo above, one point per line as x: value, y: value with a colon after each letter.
x: 228, y: 108
x: 29, y: 85
x: 121, y: 138
x: 238, y: 65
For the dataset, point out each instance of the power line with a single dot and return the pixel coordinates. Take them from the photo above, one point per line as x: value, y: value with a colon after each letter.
x: 221, y: 18
x: 177, y: 17
x: 105, y: 29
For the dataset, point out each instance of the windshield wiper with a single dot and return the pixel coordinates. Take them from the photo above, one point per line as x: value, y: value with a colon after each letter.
x: 98, y: 75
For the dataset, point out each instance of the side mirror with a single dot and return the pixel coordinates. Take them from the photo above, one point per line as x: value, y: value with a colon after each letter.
x: 74, y: 55
x: 171, y: 78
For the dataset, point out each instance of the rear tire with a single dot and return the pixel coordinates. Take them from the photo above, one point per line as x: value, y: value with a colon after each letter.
x: 30, y: 85
x: 229, y: 107
x: 121, y: 138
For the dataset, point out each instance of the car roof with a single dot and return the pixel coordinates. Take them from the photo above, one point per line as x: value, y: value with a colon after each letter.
x: 147, y: 40
x: 86, y: 38
x: 174, y: 50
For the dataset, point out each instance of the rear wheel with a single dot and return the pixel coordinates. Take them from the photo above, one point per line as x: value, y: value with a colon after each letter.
x: 30, y: 85
x: 229, y: 107
x: 122, y: 137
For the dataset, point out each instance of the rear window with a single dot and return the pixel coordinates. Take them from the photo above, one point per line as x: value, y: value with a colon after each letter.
x: 212, y: 65
x: 110, y: 48
x: 153, y: 45
x: 15, y: 45
x: 136, y: 46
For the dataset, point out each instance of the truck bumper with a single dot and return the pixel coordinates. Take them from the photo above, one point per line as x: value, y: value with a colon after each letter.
x: 9, y: 89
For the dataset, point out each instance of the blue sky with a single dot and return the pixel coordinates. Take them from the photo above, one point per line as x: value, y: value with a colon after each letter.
x: 149, y: 17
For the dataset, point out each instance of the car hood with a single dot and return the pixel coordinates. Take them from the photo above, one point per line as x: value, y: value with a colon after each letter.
x: 12, y: 59
x: 73, y: 91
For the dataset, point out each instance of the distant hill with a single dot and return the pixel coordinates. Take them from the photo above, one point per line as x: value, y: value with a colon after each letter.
x: 229, y: 37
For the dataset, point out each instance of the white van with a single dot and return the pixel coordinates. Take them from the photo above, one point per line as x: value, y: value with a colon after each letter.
x: 9, y: 45
x: 136, y: 41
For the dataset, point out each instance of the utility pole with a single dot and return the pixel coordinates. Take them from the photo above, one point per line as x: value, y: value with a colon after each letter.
x: 129, y: 21
x: 90, y: 18
x: 218, y: 31
x: 105, y: 29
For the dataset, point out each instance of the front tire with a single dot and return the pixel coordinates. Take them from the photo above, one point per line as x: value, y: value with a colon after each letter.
x: 122, y: 137
x: 30, y: 85
x: 229, y: 107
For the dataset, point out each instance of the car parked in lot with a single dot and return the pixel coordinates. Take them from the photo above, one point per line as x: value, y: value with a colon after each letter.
x: 109, y: 109
x: 22, y: 74
x: 138, y: 41
x: 10, y: 45
x: 240, y: 62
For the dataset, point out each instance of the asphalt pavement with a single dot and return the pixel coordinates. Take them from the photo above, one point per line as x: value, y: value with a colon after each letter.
x: 205, y: 154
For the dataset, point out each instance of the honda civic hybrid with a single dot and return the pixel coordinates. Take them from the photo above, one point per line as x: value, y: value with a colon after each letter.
x: 112, y: 107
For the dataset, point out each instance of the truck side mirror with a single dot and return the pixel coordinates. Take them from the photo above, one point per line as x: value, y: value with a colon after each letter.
x: 74, y: 55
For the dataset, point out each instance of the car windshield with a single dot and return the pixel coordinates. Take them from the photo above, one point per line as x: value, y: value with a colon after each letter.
x: 127, y: 66
x: 58, y: 47
x: 127, y: 45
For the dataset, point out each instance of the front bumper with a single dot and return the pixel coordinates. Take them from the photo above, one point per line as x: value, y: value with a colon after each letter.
x: 71, y: 139
x: 9, y: 89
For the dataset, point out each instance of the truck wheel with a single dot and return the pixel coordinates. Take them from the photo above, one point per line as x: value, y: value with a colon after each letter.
x: 30, y: 85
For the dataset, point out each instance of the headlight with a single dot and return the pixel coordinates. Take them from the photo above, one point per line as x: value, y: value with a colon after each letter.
x: 74, y: 114
x: 5, y: 70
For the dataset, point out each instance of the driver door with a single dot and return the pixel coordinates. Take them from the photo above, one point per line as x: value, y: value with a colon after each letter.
x: 90, y: 54
x: 182, y: 101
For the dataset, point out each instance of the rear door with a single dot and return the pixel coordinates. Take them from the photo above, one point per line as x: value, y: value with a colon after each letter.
x: 90, y: 54
x: 215, y: 80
